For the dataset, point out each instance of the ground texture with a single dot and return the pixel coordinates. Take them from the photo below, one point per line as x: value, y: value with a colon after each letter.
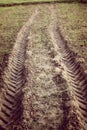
x: 44, y: 86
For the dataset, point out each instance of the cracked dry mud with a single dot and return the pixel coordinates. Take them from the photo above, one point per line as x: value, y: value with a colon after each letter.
x: 44, y: 87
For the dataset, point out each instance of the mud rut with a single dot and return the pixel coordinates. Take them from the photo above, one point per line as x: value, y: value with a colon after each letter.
x: 44, y: 87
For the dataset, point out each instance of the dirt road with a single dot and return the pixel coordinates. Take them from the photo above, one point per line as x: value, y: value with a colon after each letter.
x: 44, y: 87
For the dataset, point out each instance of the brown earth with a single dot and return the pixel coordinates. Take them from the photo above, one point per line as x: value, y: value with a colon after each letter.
x: 53, y: 95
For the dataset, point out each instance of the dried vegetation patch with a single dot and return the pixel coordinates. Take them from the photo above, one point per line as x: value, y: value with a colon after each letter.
x: 72, y: 19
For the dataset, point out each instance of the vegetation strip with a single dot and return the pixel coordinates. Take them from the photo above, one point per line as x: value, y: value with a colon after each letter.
x: 34, y: 3
x: 11, y: 107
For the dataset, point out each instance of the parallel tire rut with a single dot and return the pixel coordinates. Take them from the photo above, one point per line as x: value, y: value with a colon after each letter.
x: 11, y: 103
x: 43, y: 97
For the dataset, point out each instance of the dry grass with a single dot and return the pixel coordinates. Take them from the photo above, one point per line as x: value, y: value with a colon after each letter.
x: 11, y: 20
x: 72, y: 19
x: 20, y: 1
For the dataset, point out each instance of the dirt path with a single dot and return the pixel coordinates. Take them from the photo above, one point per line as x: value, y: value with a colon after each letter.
x: 54, y: 94
x: 42, y: 104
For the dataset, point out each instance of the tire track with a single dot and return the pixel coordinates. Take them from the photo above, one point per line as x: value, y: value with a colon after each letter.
x: 11, y: 99
x: 73, y: 73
